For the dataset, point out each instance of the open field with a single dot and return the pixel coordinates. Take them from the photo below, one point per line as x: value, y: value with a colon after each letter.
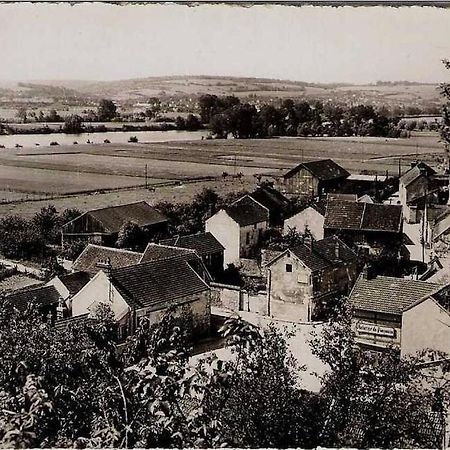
x: 84, y: 202
x: 87, y: 169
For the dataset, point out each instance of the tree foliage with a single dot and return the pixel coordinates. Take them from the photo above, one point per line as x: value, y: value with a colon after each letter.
x: 107, y: 110
x: 371, y: 399
x: 227, y: 115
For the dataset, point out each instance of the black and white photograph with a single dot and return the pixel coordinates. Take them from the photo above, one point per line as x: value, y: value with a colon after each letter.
x: 224, y: 225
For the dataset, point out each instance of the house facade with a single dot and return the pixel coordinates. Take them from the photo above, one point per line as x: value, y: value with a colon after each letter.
x: 239, y: 228
x: 102, y: 226
x: 426, y: 324
x: 313, y: 179
x: 375, y: 231
x: 378, y: 304
x: 309, y: 276
x: 149, y: 290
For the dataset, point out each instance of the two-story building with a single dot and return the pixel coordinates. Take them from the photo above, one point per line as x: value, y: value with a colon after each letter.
x: 374, y: 230
x: 239, y: 228
x: 306, y: 278
x: 378, y: 304
x: 417, y: 186
x: 313, y: 179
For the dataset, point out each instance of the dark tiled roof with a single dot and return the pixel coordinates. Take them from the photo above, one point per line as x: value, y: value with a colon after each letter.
x: 114, y: 217
x: 272, y: 199
x: 388, y: 295
x: 345, y: 215
x: 41, y: 296
x: 157, y: 252
x: 203, y: 243
x: 322, y: 254
x: 93, y: 254
x: 415, y: 172
x: 74, y: 282
x: 159, y: 283
x: 154, y: 252
x: 323, y: 169
x: 246, y: 211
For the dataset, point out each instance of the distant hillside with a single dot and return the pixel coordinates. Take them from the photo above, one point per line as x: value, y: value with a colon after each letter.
x: 381, y: 93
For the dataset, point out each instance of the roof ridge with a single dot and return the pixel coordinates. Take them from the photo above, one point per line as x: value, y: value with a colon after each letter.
x: 115, y: 249
x: 119, y: 206
x: 362, y: 216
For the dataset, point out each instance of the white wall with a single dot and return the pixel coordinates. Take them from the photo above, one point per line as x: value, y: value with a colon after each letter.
x: 98, y: 291
x: 426, y: 325
x: 226, y: 231
x: 249, y: 238
x: 309, y: 218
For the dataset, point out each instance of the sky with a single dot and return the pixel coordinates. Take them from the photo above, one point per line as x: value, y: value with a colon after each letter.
x: 315, y: 44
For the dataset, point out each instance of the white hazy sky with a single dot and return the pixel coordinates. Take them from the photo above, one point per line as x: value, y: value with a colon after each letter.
x: 318, y: 44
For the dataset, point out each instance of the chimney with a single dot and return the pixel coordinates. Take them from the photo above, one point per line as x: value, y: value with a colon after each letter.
x: 337, y: 249
x: 308, y: 241
x: 60, y: 309
x: 367, y: 272
x: 106, y: 266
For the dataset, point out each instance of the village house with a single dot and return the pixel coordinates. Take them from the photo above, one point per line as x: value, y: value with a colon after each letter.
x: 95, y: 256
x: 306, y: 278
x: 278, y: 205
x: 150, y: 290
x: 69, y: 285
x: 239, y: 228
x: 374, y: 230
x: 378, y: 304
x: 102, y: 226
x: 46, y: 299
x: 310, y: 219
x: 426, y: 324
x: 210, y: 250
x: 313, y: 179
x: 420, y: 186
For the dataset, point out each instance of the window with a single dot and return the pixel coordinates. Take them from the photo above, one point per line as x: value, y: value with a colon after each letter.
x: 254, y: 226
x: 248, y: 238
x: 288, y: 267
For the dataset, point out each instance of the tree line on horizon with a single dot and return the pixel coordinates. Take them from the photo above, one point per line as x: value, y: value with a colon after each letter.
x: 228, y: 115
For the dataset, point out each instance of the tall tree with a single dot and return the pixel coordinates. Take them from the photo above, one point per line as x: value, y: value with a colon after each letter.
x: 107, y: 110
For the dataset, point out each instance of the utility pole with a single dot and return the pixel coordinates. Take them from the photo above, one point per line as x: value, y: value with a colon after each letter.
x: 146, y: 184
